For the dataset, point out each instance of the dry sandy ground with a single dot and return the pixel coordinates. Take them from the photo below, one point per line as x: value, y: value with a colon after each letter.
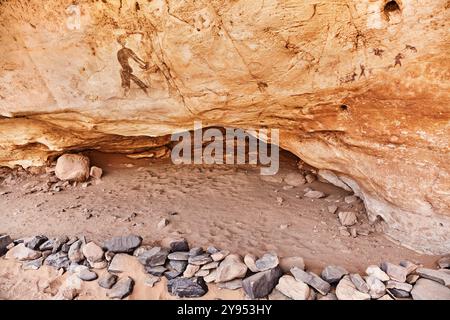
x: 231, y: 208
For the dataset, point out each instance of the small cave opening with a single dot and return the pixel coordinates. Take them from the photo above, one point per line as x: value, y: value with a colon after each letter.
x: 392, y: 11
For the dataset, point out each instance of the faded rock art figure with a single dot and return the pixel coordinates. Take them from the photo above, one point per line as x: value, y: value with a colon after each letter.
x: 124, y: 55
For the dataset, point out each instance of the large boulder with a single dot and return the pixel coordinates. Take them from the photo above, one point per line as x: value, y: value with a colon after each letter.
x: 357, y: 88
x: 73, y: 167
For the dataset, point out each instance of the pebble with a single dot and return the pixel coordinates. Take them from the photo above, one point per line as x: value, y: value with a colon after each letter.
x: 232, y: 267
x: 107, y: 280
x: 443, y: 263
x: 163, y: 223
x: 75, y: 254
x: 231, y: 285
x: 262, y: 283
x: 190, y: 270
x: 359, y: 283
x: 250, y: 262
x: 377, y: 289
x: 311, y: 279
x: 22, y: 253
x: 267, y: 261
x: 151, y: 280
x: 156, y: 271
x: 35, y: 242
x: 219, y: 256
x: 347, y: 218
x: 120, y: 263
x: 121, y: 289
x: 333, y: 274
x: 93, y: 252
x: 425, y: 289
x: 200, y: 260
x: 287, y: 263
x: 87, y: 275
x: 292, y: 288
x: 332, y: 209
x: 295, y: 179
x: 187, y: 287
x: 58, y: 260
x: 313, y: 194
x: 5, y: 241
x: 377, y: 272
x: 395, y: 272
x: 435, y: 275
x: 180, y: 256
x: 154, y: 257
x: 125, y: 244
x: 178, y: 265
x: 346, y: 290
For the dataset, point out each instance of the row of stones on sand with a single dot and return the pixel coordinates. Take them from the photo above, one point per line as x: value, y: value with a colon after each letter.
x: 190, y: 270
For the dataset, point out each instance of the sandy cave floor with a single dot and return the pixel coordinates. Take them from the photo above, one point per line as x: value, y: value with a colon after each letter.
x: 230, y: 207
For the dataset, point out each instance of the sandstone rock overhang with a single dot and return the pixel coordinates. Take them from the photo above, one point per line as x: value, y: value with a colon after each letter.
x: 359, y: 88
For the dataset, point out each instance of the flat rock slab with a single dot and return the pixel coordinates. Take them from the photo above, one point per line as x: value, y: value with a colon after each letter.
x: 35, y: 242
x: 311, y: 279
x: 58, y: 260
x: 359, y: 283
x: 436, y: 275
x: 377, y: 272
x: 200, y: 259
x: 87, y: 275
x: 267, y: 261
x: 262, y: 283
x: 179, y: 266
x: 187, y: 287
x: 156, y: 271
x: 125, y: 244
x: 395, y: 272
x: 333, y: 274
x: 180, y: 256
x: 232, y: 267
x: 121, y: 289
x: 22, y: 253
x: 346, y: 290
x: 122, y: 262
x: 154, y: 257
x: 425, y: 289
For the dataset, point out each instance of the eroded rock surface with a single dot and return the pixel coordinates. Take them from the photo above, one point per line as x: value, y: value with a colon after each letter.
x: 357, y: 90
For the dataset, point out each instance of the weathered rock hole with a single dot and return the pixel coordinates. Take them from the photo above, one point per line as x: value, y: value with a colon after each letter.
x: 392, y: 11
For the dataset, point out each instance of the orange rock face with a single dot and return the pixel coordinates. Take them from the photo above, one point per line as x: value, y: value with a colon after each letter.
x: 359, y: 88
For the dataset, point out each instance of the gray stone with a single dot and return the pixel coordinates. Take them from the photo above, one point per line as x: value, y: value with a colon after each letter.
x: 377, y: 289
x: 177, y: 265
x: 187, y: 287
x: 232, y: 267
x: 180, y: 256
x: 75, y: 254
x: 172, y: 274
x: 58, y: 260
x: 267, y: 261
x: 333, y: 274
x: 196, y: 251
x: 5, y: 241
x: 212, y: 250
x: 443, y: 263
x: 425, y: 289
x: 35, y: 242
x: 107, y: 280
x: 359, y: 283
x: 87, y: 275
x: 156, y: 271
x: 400, y: 294
x: 231, y: 285
x: 200, y: 260
x: 47, y: 245
x: 346, y: 290
x: 293, y: 288
x: 121, y: 289
x: 125, y: 244
x: 262, y: 283
x: 33, y: 264
x: 409, y: 266
x: 391, y: 284
x: 395, y: 272
x: 65, y: 248
x: 312, y: 280
x: 179, y: 245
x: 435, y: 275
x: 157, y: 256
